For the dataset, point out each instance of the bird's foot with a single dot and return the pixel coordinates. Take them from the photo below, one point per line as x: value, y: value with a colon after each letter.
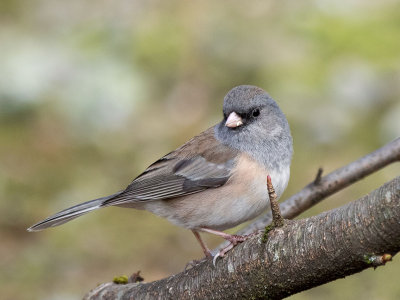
x: 234, y: 240
x: 222, y: 252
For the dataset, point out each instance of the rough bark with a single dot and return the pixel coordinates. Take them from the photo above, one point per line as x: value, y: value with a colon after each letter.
x: 300, y: 255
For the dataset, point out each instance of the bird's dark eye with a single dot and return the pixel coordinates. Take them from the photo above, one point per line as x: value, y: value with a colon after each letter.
x: 256, y: 112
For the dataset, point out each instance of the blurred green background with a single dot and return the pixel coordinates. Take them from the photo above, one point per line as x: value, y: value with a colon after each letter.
x: 92, y: 92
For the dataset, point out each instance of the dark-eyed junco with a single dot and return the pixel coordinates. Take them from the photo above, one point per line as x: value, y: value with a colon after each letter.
x: 216, y: 180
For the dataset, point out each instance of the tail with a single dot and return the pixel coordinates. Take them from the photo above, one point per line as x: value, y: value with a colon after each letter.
x: 71, y: 213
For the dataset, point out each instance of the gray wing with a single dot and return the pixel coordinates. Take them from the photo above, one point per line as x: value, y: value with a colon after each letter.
x: 180, y: 173
x: 187, y: 176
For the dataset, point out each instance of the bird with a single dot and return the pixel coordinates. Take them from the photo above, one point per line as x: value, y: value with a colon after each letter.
x: 217, y: 179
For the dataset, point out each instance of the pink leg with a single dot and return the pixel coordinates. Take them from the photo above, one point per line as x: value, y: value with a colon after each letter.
x: 233, y: 239
x: 206, y: 251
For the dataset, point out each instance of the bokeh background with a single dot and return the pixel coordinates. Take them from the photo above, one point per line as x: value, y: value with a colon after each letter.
x: 92, y: 92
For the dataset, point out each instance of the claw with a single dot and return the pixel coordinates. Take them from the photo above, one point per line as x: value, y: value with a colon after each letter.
x: 223, y: 251
x: 215, y: 258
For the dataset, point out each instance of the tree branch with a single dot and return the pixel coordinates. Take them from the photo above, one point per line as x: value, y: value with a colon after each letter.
x: 277, y: 220
x: 325, y: 186
x: 300, y: 255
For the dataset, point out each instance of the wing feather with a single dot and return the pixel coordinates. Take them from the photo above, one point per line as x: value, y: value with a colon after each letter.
x: 201, y: 163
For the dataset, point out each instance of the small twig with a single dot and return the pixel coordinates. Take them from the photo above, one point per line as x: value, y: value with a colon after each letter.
x: 377, y: 260
x: 135, y: 277
x: 318, y: 177
x: 277, y: 219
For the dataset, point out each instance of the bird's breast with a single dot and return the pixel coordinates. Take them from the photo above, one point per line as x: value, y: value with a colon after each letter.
x: 243, y: 197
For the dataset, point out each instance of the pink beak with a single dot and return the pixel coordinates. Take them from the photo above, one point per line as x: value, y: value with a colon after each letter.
x: 234, y: 120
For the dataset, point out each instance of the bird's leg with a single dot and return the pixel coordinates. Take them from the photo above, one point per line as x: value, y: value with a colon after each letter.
x: 232, y: 238
x: 203, y: 245
x: 206, y: 251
